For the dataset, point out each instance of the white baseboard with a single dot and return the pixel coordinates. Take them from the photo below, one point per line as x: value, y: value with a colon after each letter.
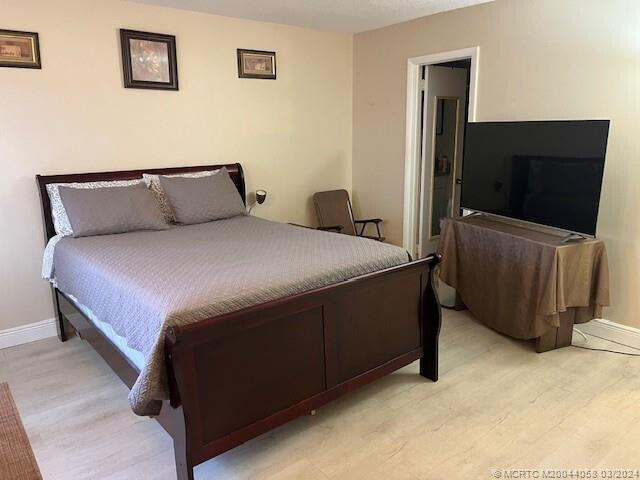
x: 599, y: 327
x: 615, y: 332
x: 28, y: 333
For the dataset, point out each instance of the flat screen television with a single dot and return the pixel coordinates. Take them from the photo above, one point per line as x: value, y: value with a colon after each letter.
x: 543, y: 172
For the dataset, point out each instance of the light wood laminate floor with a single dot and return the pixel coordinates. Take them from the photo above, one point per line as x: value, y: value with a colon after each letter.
x: 498, y: 404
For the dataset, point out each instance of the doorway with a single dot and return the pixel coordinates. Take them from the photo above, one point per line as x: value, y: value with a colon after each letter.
x: 444, y: 190
x: 442, y: 139
x: 441, y: 92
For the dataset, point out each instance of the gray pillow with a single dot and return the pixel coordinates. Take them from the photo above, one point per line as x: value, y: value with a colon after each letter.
x: 101, y: 211
x: 153, y: 182
x: 199, y: 200
x: 60, y: 218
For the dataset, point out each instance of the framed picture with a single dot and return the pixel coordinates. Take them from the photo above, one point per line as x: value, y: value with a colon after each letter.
x: 19, y: 49
x: 149, y: 60
x: 256, y: 64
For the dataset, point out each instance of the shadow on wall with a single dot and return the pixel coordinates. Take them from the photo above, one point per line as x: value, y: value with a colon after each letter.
x: 327, y: 169
x: 355, y: 203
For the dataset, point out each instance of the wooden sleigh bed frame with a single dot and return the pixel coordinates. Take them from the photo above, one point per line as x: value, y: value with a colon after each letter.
x: 241, y: 374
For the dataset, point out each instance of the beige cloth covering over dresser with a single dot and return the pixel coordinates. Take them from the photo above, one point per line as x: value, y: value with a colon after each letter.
x: 519, y: 281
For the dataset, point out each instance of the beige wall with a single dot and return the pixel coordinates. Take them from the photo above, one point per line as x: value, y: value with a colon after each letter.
x: 292, y: 135
x: 539, y: 59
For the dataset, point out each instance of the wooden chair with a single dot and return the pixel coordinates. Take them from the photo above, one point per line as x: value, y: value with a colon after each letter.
x: 335, y: 213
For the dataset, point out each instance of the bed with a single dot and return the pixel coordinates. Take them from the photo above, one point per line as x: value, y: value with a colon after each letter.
x: 240, y: 325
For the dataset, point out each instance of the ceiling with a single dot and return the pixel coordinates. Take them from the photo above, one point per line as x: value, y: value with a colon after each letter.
x: 337, y: 15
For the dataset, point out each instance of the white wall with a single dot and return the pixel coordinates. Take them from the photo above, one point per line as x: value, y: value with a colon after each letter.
x: 292, y: 135
x: 539, y: 59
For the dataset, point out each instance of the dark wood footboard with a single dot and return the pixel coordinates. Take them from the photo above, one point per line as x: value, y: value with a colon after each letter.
x: 239, y: 375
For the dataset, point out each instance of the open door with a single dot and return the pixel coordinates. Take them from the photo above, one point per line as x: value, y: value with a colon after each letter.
x: 443, y: 121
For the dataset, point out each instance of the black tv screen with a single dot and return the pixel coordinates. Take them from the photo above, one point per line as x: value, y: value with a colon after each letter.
x: 544, y: 172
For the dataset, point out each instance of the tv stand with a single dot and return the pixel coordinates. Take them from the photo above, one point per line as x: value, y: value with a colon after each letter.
x: 573, y: 237
x: 524, y: 283
x: 476, y: 214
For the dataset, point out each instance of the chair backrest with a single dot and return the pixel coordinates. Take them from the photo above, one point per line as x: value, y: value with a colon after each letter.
x: 334, y: 208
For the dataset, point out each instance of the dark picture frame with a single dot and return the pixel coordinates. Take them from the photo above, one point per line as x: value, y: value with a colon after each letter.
x: 149, y: 60
x: 12, y: 46
x: 262, y: 59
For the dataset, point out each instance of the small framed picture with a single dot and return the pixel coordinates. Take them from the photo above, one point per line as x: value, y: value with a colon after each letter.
x: 256, y: 64
x: 149, y: 60
x: 19, y: 49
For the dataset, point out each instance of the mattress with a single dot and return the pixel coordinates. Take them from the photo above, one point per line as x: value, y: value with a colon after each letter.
x: 134, y: 356
x: 141, y: 283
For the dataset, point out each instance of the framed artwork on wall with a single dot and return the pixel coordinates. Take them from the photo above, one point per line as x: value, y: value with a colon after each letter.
x: 19, y: 49
x: 256, y: 64
x: 149, y: 60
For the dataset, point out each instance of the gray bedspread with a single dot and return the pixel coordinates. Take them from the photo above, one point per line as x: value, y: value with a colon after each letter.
x: 143, y: 282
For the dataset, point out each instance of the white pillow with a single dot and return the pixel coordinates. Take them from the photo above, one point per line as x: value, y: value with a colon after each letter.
x: 60, y: 218
x: 153, y: 183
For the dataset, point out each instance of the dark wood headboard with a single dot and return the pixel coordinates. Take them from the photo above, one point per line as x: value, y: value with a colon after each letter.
x: 234, y: 169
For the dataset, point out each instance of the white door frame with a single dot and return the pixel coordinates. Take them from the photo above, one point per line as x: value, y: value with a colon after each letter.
x: 412, y: 214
